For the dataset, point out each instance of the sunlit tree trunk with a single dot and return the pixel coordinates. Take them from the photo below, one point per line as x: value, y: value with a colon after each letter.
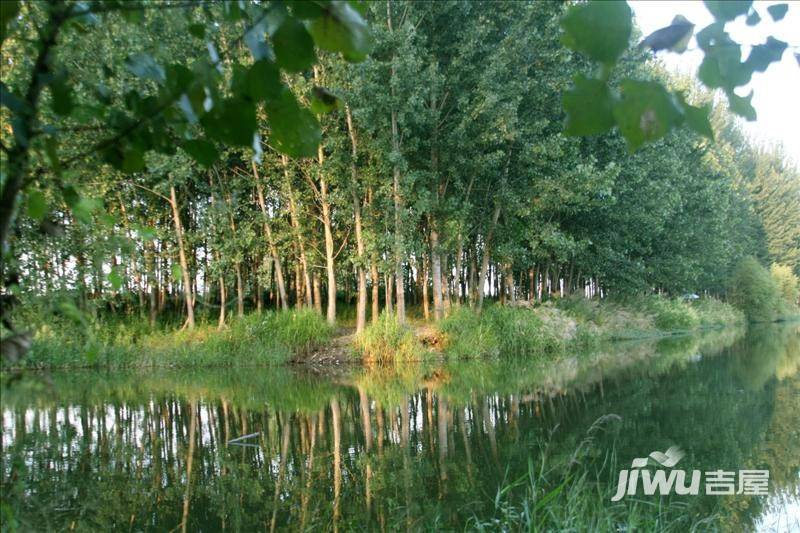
x: 396, y: 196
x: 329, y: 251
x: 294, y: 217
x: 361, y: 305
x: 187, y: 284
x: 436, y: 274
x: 487, y: 247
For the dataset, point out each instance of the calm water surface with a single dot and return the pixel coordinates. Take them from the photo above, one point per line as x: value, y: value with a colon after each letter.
x: 419, y: 447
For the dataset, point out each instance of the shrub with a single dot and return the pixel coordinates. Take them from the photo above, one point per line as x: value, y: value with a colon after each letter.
x: 499, y: 331
x: 752, y: 289
x: 787, y: 282
x: 388, y: 340
x: 467, y: 334
x: 672, y: 314
x: 713, y: 312
x: 268, y: 338
x: 298, y: 331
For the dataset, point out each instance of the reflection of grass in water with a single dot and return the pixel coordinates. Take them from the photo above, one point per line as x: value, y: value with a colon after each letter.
x: 557, y: 374
x: 564, y: 493
x: 280, y: 388
x: 765, y: 351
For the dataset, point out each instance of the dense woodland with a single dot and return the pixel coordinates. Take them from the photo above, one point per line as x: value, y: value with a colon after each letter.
x: 443, y: 178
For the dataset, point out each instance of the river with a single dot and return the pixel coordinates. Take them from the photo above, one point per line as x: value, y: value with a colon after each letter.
x: 500, y: 445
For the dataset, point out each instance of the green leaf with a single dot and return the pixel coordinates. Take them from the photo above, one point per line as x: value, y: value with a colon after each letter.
x: 62, y: 95
x: 342, y: 29
x: 294, y: 129
x: 146, y: 233
x: 722, y: 67
x: 763, y: 54
x: 69, y: 310
x: 10, y: 100
x: 263, y: 80
x: 231, y: 121
x: 753, y: 18
x: 646, y: 112
x: 254, y: 39
x: 51, y: 151
x: 323, y: 101
x: 697, y: 119
x: 674, y: 37
x: 589, y: 107
x: 144, y: 66
x: 84, y: 208
x: 177, y: 271
x: 599, y: 29
x: 115, y: 278
x: 204, y: 152
x: 133, y: 160
x: 778, y: 11
x: 8, y: 11
x: 197, y: 30
x: 726, y: 10
x: 305, y: 10
x: 37, y: 205
x: 741, y: 105
x: 294, y: 47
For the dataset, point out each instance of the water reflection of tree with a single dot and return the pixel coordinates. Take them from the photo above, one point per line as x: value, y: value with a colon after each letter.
x: 385, y: 454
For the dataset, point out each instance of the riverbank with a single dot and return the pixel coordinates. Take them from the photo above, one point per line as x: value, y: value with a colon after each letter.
x: 275, y: 338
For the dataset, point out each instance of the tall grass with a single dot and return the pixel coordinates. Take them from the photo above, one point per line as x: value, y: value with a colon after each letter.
x: 387, y: 340
x: 268, y: 338
x: 497, y: 331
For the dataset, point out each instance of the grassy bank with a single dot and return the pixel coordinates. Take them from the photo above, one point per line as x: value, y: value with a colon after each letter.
x: 550, y: 329
x: 268, y: 338
x: 575, y: 324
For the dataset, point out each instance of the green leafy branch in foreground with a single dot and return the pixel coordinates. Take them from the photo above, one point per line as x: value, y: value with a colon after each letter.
x: 644, y: 111
x: 213, y: 99
x: 191, y: 106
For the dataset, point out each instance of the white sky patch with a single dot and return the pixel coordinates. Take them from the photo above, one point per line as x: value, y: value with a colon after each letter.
x: 776, y: 91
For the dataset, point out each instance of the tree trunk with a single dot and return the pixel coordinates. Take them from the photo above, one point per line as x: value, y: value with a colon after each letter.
x: 436, y: 274
x: 398, y: 199
x: 317, y: 293
x: 486, y: 251
x: 376, y: 289
x: 361, y: 305
x: 239, y: 291
x: 222, y: 303
x: 295, y: 220
x: 273, y: 249
x: 512, y: 297
x: 329, y: 252
x: 425, y: 310
x: 389, y: 282
x: 187, y: 283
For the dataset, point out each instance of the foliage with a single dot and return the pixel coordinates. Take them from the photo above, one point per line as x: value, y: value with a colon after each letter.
x: 387, y: 341
x: 712, y: 312
x: 498, y: 332
x: 672, y: 315
x: 645, y: 111
x: 215, y: 225
x: 787, y: 282
x: 269, y: 338
x: 754, y: 291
